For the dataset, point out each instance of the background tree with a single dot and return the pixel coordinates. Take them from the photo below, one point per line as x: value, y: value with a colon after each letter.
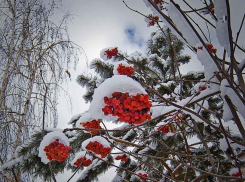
x: 34, y: 53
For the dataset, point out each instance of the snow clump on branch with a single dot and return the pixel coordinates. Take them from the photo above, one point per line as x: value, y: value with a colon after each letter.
x: 117, y: 83
x: 48, y: 139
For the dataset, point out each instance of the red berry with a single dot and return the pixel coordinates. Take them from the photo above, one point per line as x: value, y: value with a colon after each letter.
x: 151, y: 17
x: 157, y: 1
x: 57, y: 151
x: 132, y: 109
x: 123, y: 158
x: 142, y: 176
x: 164, y: 129
x: 202, y: 87
x: 98, y: 148
x: 125, y: 70
x: 210, y: 48
x: 151, y: 23
x: 110, y: 53
x: 83, y: 162
x: 236, y: 174
x: 94, y: 124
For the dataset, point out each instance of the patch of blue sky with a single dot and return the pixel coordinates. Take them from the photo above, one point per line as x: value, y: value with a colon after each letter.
x: 133, y: 37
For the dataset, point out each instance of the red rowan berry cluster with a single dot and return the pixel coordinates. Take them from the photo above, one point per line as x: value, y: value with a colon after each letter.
x: 125, y: 70
x: 236, y: 174
x: 85, y: 162
x: 159, y: 4
x: 142, y: 176
x: 98, y: 148
x: 210, y: 47
x: 179, y: 117
x: 152, y: 19
x: 164, y: 129
x: 95, y: 124
x: 158, y: 1
x: 129, y: 109
x: 110, y: 53
x: 57, y: 151
x: 123, y: 158
x: 202, y: 87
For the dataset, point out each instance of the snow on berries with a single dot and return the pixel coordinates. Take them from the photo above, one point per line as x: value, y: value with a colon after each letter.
x: 150, y: 20
x: 206, y: 60
x: 202, y: 87
x: 159, y: 3
x: 94, y: 124
x: 57, y: 151
x: 108, y: 53
x: 122, y: 157
x: 98, y: 148
x: 82, y: 160
x: 86, y: 121
x: 98, y: 145
x: 129, y: 109
x: 163, y: 127
x: 142, y: 175
x: 235, y: 172
x: 117, y: 83
x: 54, y: 146
x: 125, y: 70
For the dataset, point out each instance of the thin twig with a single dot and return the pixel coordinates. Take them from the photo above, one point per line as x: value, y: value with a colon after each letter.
x: 238, y: 33
x: 231, y: 149
x: 233, y: 60
x: 197, y: 26
x: 207, y: 148
x: 134, y: 10
x: 15, y: 177
x: 209, y: 36
x: 194, y: 10
x: 206, y: 20
x: 235, y: 116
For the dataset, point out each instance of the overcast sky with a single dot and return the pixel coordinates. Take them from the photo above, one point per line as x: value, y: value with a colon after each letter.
x: 97, y: 24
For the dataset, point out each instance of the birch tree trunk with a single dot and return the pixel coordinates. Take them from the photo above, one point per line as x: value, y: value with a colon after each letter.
x: 34, y: 54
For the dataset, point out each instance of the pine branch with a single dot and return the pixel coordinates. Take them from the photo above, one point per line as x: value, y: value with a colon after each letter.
x: 83, y: 80
x: 103, y: 69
